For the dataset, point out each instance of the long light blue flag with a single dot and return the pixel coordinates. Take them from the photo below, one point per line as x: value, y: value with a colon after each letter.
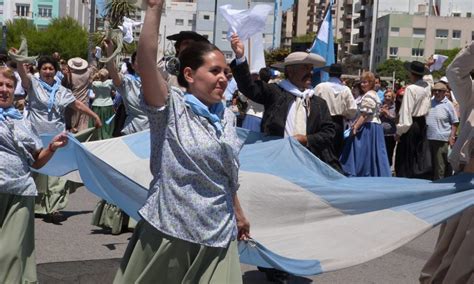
x: 305, y: 217
x: 324, y: 45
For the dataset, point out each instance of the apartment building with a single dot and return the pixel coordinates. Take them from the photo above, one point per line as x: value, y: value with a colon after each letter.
x: 412, y: 37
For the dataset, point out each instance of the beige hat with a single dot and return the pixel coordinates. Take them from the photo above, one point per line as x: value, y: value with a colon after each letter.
x: 440, y: 86
x: 77, y: 63
x: 300, y: 57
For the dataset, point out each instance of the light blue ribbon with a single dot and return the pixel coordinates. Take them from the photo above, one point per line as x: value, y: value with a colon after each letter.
x: 51, y: 90
x: 9, y: 112
x: 214, y: 114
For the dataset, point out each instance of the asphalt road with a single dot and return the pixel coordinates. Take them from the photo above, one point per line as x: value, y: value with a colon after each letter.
x: 77, y: 252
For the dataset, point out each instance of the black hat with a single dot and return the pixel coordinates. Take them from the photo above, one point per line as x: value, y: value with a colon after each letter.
x: 187, y: 35
x: 335, y: 68
x: 416, y: 67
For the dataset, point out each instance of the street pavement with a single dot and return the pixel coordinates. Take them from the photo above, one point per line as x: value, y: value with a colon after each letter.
x: 77, y: 252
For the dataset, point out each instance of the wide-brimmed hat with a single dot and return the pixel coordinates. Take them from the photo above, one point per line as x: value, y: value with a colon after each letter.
x: 300, y: 57
x: 416, y: 67
x: 440, y: 86
x: 187, y: 35
x: 77, y: 63
x: 335, y: 68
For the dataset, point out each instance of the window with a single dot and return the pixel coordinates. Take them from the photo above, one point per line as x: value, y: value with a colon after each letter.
x: 22, y: 10
x: 179, y: 22
x: 456, y: 14
x: 45, y: 11
x: 190, y: 22
x: 417, y: 52
x: 456, y: 34
x: 393, y: 51
x: 394, y: 31
x: 207, y: 17
x: 468, y: 15
x: 224, y: 35
x: 472, y: 35
x: 228, y: 55
x: 442, y: 33
x: 418, y: 32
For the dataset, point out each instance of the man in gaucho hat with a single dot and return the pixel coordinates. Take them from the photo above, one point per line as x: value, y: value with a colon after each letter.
x: 413, y: 158
x: 291, y: 108
x: 182, y: 40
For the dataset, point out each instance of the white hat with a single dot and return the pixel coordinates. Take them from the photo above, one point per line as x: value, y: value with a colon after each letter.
x: 77, y: 63
x: 300, y: 57
x: 444, y: 79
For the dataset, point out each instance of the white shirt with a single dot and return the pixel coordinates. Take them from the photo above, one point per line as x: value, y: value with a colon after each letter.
x: 338, y: 98
x: 416, y: 102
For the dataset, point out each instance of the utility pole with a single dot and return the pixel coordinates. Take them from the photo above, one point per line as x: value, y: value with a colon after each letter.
x: 215, y: 23
x: 91, y: 30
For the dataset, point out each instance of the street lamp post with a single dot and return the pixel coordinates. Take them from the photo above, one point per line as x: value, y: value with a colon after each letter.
x: 91, y: 30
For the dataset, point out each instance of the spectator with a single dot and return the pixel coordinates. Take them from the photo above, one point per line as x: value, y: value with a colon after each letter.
x: 442, y: 123
x: 388, y: 116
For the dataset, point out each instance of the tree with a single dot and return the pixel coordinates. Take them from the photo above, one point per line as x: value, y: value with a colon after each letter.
x: 275, y: 55
x: 394, y: 65
x: 66, y: 36
x: 117, y: 9
x: 451, y: 53
x: 17, y: 28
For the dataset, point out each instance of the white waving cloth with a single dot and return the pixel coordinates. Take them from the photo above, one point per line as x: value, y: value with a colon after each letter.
x: 127, y: 29
x: 249, y: 24
x: 439, y: 60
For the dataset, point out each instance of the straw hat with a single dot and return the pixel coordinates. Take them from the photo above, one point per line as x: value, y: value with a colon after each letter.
x: 300, y: 57
x: 77, y: 63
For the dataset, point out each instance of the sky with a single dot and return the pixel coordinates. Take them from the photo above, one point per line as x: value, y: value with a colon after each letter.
x: 286, y: 4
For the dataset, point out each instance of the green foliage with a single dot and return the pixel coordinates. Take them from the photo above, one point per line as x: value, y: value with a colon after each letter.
x: 17, y: 28
x: 64, y: 35
x: 451, y: 53
x: 389, y: 66
x: 275, y: 55
x: 304, y: 38
x: 117, y: 9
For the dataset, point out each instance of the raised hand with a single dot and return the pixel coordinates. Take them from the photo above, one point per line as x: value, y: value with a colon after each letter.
x: 153, y: 3
x: 237, y: 46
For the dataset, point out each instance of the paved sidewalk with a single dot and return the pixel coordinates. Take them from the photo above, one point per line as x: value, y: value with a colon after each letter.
x: 77, y: 252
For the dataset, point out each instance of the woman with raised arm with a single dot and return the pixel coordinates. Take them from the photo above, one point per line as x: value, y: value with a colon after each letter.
x: 47, y: 103
x: 192, y: 218
x: 20, y: 149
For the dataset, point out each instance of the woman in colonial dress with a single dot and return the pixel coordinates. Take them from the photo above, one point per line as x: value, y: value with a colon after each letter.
x: 47, y: 103
x: 103, y: 104
x: 20, y: 149
x: 364, y: 152
x: 192, y: 218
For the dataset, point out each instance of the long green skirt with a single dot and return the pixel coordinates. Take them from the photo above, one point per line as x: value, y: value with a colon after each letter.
x: 17, y: 239
x: 109, y: 216
x: 105, y: 113
x: 153, y: 257
x: 53, y: 193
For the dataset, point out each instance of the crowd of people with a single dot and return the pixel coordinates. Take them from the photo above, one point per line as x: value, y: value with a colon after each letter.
x: 192, y: 104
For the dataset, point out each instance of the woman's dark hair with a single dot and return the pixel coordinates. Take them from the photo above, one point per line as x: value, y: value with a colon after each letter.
x: 265, y: 74
x: 193, y: 57
x: 48, y: 59
x: 129, y: 65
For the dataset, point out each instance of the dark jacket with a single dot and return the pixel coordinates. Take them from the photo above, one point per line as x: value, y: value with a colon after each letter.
x: 319, y: 126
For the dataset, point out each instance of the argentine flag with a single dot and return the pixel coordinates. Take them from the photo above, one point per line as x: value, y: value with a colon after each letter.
x: 324, y: 46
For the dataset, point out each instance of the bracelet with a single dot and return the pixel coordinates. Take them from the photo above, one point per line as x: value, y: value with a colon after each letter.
x: 51, y: 148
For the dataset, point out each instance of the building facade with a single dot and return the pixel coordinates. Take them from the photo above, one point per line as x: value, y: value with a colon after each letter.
x: 411, y: 37
x: 79, y: 10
